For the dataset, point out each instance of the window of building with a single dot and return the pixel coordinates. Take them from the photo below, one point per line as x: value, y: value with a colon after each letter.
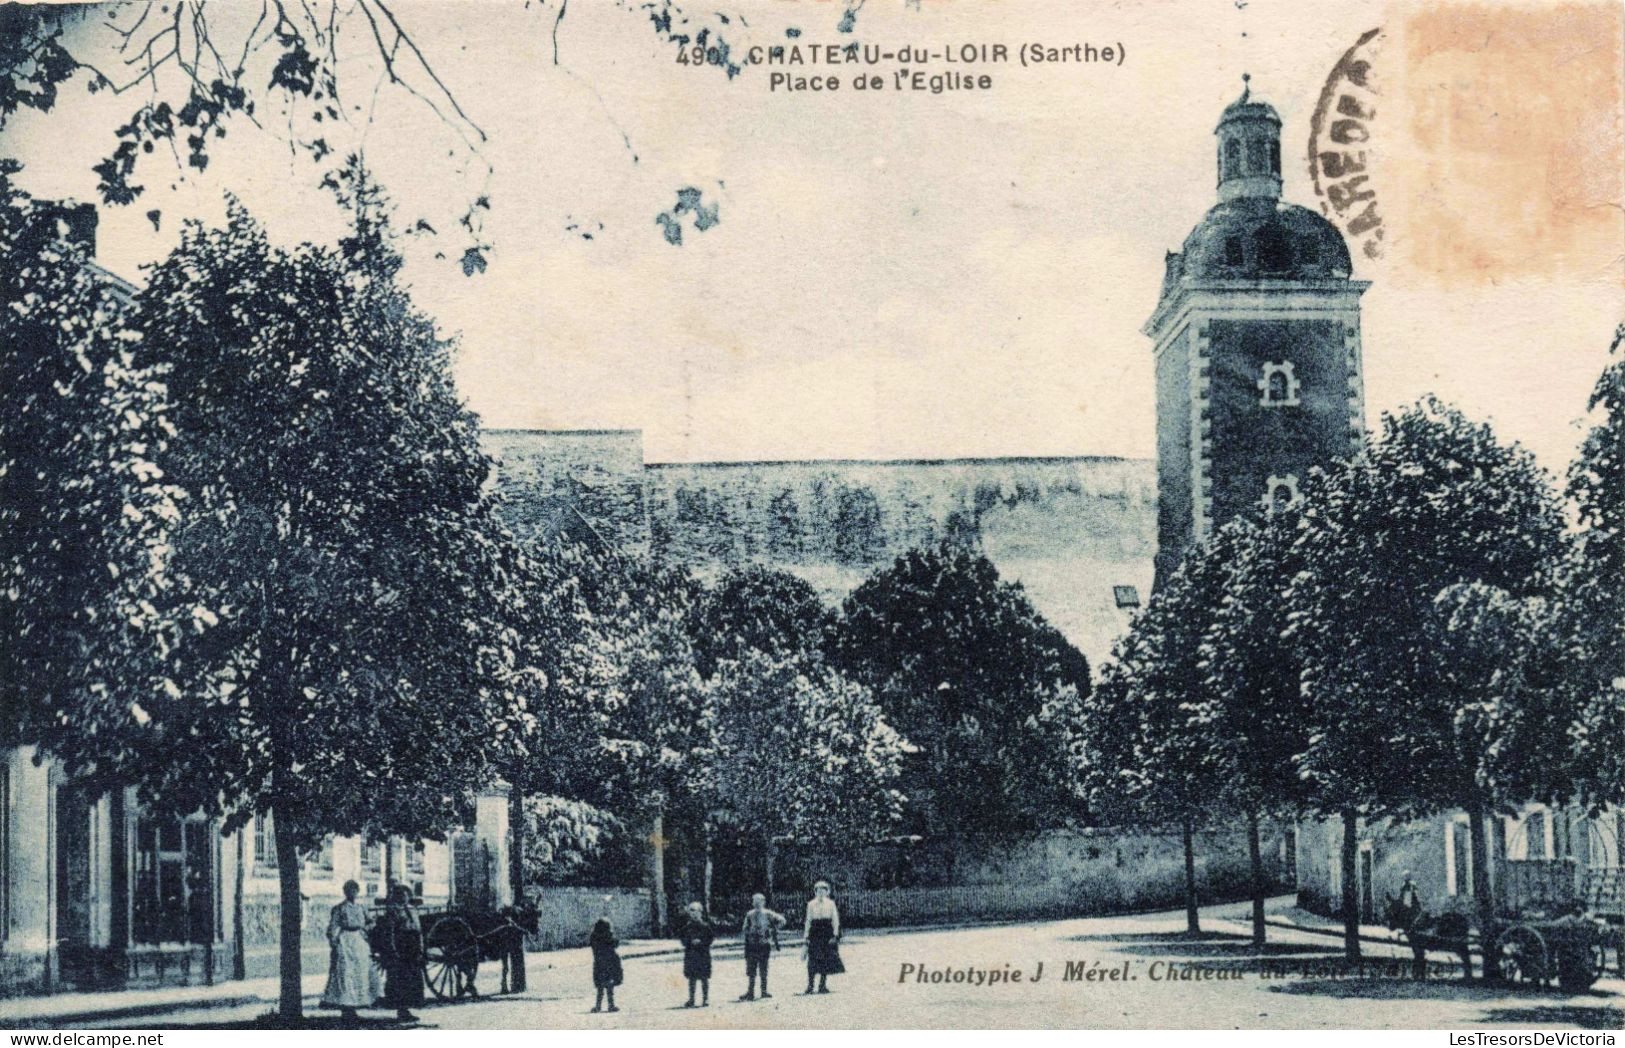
x: 1275, y: 157
x: 1278, y: 385
x: 264, y: 843
x: 323, y: 859
x: 1126, y: 596
x: 1458, y: 857
x: 414, y: 860
x: 1534, y: 836
x: 1232, y: 159
x: 372, y: 856
x: 1257, y: 156
x: 1233, y: 254
x: 1280, y: 493
x: 172, y: 899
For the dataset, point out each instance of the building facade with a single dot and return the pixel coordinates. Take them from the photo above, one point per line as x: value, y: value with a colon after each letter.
x: 97, y: 892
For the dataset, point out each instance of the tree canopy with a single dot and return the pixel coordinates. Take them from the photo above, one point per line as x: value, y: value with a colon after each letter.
x: 968, y: 671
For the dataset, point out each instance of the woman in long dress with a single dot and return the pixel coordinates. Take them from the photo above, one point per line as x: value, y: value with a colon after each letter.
x: 822, y: 931
x: 401, y: 941
x: 349, y: 973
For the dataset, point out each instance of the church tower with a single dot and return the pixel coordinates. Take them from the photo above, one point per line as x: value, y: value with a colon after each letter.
x: 1257, y: 336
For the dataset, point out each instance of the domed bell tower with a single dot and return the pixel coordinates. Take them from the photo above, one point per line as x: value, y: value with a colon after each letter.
x: 1257, y: 346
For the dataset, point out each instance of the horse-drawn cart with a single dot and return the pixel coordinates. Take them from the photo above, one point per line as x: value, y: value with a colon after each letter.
x: 1555, y: 923
x: 1558, y: 924
x: 455, y: 941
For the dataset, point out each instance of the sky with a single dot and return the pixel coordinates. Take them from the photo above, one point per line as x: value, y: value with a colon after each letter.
x: 891, y: 274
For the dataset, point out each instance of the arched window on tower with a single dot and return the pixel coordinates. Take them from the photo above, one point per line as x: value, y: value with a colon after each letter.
x: 1280, y: 493
x: 1274, y: 250
x: 1278, y: 386
x: 1275, y: 158
x: 1232, y: 158
x: 1257, y: 157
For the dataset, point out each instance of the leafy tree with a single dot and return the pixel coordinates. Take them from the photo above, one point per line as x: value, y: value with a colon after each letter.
x: 362, y: 676
x: 632, y: 685
x: 1593, y: 607
x: 1396, y: 725
x: 1146, y: 739
x: 797, y: 751
x: 757, y: 609
x: 966, y: 669
x: 196, y: 69
x: 572, y: 842
x: 1258, y: 720
x: 92, y: 624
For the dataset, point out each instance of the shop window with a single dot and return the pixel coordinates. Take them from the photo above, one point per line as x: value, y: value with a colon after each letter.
x: 172, y: 900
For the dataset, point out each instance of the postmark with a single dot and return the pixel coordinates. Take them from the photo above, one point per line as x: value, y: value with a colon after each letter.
x: 1340, y: 151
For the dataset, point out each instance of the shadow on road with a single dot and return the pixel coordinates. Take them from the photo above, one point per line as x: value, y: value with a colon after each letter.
x: 1168, y: 937
x: 1244, y: 948
x: 1585, y: 1016
x: 317, y: 1018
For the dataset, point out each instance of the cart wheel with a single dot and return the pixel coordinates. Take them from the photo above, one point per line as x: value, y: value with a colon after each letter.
x: 446, y: 949
x: 1522, y: 956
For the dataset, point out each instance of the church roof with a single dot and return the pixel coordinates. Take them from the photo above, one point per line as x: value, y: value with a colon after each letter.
x: 1253, y: 238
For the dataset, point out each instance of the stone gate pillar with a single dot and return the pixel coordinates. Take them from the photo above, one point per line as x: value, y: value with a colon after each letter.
x: 491, y: 831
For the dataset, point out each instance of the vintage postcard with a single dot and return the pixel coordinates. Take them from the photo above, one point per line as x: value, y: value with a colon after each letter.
x: 812, y: 514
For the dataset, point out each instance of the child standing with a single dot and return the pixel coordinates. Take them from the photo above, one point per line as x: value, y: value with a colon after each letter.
x: 606, y: 963
x: 696, y: 938
x: 761, y: 932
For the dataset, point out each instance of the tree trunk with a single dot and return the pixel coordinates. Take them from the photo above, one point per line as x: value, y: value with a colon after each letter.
x: 709, y: 870
x: 1193, y: 922
x: 657, y: 868
x: 1351, y: 877
x: 1255, y: 858
x: 239, y: 959
x: 292, y: 909
x: 516, y: 884
x: 517, y: 830
x: 1483, y: 897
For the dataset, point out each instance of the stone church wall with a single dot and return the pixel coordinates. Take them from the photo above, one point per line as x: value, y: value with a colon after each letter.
x: 1067, y: 529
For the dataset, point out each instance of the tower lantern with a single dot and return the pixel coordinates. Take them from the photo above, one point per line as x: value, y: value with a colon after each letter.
x: 1249, y: 148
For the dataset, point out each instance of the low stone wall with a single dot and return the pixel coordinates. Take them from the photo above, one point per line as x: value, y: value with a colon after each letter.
x: 565, y: 916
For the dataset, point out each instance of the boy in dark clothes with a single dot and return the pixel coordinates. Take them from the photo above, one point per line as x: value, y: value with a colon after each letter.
x: 696, y: 936
x: 606, y: 963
